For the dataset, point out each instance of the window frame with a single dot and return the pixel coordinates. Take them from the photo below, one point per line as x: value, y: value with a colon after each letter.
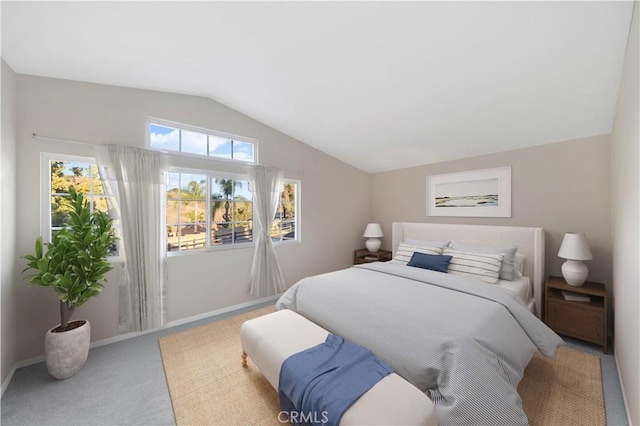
x: 205, y: 131
x: 211, y: 174
x: 298, y: 238
x: 46, y: 194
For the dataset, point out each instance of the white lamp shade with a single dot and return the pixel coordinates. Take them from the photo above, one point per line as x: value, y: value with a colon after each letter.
x: 373, y: 230
x: 575, y: 247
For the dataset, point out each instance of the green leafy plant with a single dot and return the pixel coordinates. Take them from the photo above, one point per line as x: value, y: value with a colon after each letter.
x: 75, y: 261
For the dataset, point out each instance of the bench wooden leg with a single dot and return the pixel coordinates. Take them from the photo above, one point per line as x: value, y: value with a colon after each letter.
x: 244, y: 359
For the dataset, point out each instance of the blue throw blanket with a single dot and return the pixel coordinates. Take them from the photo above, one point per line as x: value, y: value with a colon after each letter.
x: 318, y: 385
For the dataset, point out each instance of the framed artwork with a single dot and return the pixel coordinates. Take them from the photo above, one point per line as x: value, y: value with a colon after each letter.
x: 479, y: 193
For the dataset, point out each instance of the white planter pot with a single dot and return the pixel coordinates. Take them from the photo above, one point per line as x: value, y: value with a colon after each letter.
x: 65, y: 353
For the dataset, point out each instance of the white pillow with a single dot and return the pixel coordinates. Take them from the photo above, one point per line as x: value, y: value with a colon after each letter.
x: 404, y: 252
x: 481, y: 266
x: 507, y: 270
x: 519, y: 262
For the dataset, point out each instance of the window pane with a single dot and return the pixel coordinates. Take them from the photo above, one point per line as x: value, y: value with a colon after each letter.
x: 222, y: 233
x: 59, y: 183
x: 190, y: 240
x: 289, y: 201
x: 67, y: 173
x: 243, y: 151
x: 163, y: 137
x: 243, y: 233
x: 193, y: 212
x: 288, y: 230
x: 100, y: 203
x: 288, y: 210
x: 284, y: 222
x: 84, y: 176
x: 219, y: 147
x: 222, y: 193
x: 173, y: 181
x: 193, y: 186
x: 242, y: 211
x: 96, y: 182
x: 194, y: 143
x: 229, y: 218
x: 241, y: 190
x: 172, y: 236
x: 59, y: 211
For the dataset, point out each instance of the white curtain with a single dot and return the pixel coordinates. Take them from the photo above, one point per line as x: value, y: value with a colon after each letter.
x: 266, y: 277
x: 135, y: 177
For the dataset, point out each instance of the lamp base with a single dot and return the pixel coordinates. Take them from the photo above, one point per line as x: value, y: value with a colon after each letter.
x: 575, y: 272
x: 373, y: 244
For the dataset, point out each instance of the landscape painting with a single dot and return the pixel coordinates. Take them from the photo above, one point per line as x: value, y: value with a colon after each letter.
x: 480, y: 193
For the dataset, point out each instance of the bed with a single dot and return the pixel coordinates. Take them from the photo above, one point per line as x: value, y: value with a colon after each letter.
x: 530, y: 243
x: 463, y: 342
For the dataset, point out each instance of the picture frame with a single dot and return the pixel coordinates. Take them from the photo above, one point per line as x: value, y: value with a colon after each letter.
x: 478, y: 193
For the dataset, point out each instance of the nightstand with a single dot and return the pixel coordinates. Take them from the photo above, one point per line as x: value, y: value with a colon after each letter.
x: 582, y: 320
x: 365, y: 256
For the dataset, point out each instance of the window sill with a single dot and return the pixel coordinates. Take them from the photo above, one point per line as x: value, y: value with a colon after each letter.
x: 226, y: 248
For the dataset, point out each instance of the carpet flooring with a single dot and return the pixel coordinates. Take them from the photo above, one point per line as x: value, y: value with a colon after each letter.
x: 208, y: 385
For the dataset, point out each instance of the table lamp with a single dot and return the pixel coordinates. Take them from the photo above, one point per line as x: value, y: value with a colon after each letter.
x: 575, y: 249
x: 373, y: 232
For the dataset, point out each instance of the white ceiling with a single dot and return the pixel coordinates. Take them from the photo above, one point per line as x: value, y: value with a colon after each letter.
x: 379, y: 85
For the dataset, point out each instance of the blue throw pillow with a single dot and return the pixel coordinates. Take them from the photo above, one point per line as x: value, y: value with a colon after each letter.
x: 434, y: 262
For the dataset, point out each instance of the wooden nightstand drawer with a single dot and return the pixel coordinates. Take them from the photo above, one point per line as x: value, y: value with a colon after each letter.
x: 575, y: 321
x: 586, y: 320
x: 564, y: 313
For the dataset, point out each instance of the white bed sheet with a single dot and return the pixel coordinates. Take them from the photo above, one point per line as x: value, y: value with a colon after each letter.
x: 520, y: 286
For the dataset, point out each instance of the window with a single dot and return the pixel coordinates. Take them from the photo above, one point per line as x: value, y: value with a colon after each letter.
x: 60, y: 173
x: 206, y: 210
x: 201, y: 142
x: 284, y: 224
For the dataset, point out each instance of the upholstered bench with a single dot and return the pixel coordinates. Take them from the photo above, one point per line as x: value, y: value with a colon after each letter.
x: 270, y: 339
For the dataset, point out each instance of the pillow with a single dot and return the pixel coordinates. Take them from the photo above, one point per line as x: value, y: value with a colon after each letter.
x: 507, y: 269
x: 404, y: 252
x: 433, y: 262
x: 519, y: 263
x: 481, y: 266
x: 421, y: 243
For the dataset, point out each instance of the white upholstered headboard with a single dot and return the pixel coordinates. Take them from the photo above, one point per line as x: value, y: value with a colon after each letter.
x: 530, y: 242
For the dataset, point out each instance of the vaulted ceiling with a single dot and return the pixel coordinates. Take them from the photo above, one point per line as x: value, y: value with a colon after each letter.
x: 379, y: 85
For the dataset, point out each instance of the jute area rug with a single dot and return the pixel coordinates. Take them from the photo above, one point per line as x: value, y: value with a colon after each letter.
x: 208, y: 385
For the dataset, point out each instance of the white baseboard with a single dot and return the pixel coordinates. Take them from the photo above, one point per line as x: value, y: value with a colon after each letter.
x: 624, y: 396
x: 222, y: 311
x: 30, y: 361
x: 131, y: 335
x: 5, y: 384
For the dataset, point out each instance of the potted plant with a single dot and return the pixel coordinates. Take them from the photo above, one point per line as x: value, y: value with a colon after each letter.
x: 74, y: 265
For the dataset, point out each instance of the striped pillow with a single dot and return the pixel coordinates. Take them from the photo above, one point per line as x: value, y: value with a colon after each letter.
x: 405, y: 251
x: 481, y: 266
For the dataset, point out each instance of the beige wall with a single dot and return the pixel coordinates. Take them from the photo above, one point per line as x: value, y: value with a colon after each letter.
x: 562, y: 187
x: 198, y: 283
x: 625, y: 188
x: 7, y: 220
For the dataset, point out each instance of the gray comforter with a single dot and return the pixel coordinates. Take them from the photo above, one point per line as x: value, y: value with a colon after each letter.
x: 463, y: 342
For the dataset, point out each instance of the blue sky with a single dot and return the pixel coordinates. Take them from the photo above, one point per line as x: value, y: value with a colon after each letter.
x: 168, y: 138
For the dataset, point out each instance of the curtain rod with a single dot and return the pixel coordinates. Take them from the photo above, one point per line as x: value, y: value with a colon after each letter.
x: 45, y: 138
x: 172, y: 153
